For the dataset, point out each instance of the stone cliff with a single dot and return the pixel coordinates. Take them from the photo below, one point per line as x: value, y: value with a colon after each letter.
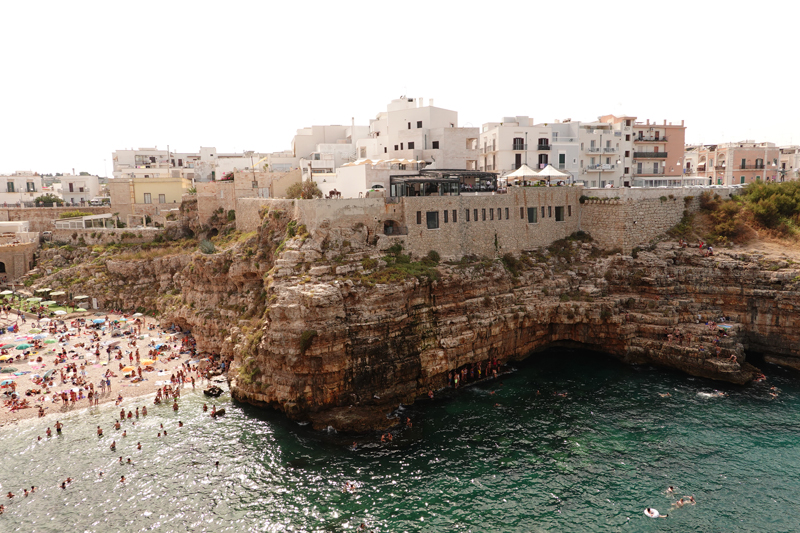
x: 328, y: 327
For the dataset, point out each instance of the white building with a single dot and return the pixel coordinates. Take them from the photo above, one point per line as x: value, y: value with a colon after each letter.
x: 789, y: 163
x: 20, y: 187
x: 206, y: 165
x: 505, y: 146
x: 76, y: 190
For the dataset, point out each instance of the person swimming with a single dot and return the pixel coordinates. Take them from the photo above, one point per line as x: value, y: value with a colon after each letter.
x: 653, y: 513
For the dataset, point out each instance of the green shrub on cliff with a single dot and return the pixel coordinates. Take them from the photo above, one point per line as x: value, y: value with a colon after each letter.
x: 306, y: 338
x: 73, y: 214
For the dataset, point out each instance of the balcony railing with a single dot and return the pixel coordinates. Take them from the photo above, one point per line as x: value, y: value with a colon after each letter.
x: 543, y: 147
x: 650, y: 172
x: 751, y: 167
x: 645, y: 139
x: 650, y: 155
x: 609, y: 150
x: 519, y: 146
x: 563, y: 140
x: 593, y: 149
x: 604, y: 167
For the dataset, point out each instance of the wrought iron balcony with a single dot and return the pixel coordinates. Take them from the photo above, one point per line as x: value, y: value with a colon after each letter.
x: 543, y: 147
x: 519, y: 146
x: 650, y: 155
x: 647, y: 139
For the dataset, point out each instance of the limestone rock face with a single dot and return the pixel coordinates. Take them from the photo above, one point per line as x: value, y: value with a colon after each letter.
x: 313, y: 329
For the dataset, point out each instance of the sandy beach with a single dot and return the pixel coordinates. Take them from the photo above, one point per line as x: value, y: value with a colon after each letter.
x: 81, y: 346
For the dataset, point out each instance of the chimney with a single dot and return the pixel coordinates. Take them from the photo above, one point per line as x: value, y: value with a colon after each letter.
x: 420, y: 100
x: 431, y: 104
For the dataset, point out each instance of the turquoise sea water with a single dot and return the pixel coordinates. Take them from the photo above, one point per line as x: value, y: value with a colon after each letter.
x: 513, y: 461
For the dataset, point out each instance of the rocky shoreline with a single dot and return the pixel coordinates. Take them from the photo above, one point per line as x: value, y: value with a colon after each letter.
x: 314, y: 325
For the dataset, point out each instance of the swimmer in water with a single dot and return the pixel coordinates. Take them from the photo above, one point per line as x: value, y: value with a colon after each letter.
x: 113, y: 445
x: 138, y: 445
x: 180, y: 424
x: 652, y: 513
x: 678, y: 504
x: 122, y: 479
x: 664, y: 394
x: 99, y: 431
x: 205, y: 408
x: 671, y: 490
x: 48, y: 432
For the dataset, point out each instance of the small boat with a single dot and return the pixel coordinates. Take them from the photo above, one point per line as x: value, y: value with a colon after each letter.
x: 218, y: 412
x: 214, y: 392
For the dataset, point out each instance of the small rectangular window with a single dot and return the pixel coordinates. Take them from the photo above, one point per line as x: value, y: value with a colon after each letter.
x: 395, y: 147
x: 627, y: 170
x: 522, y: 213
x: 432, y: 218
x: 467, y: 215
x: 507, y: 216
x: 627, y: 137
x: 147, y: 198
x: 455, y: 216
x: 419, y: 217
x: 483, y: 214
x: 401, y: 146
x: 491, y: 214
x: 162, y: 198
x: 445, y: 216
x: 385, y: 150
x: 627, y: 153
x: 559, y: 213
x: 531, y: 215
x: 435, y: 145
x: 409, y: 125
x: 419, y: 124
x: 411, y: 146
x: 569, y: 210
x: 475, y: 212
x: 542, y: 211
x: 10, y: 186
x: 549, y: 211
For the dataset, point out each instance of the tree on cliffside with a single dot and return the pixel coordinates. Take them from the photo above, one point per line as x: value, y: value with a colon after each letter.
x: 49, y: 198
x: 304, y: 191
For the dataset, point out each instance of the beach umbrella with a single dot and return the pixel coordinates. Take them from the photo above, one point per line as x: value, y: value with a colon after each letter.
x: 6, y: 292
x: 49, y: 373
x: 40, y: 337
x: 6, y: 383
x: 129, y: 369
x: 148, y: 361
x: 83, y: 297
x: 60, y: 312
x: 45, y: 320
x: 34, y: 330
x: 58, y: 293
x: 43, y: 290
x: 23, y: 346
x: 6, y: 347
x: 98, y: 320
x: 8, y: 370
x: 80, y: 309
x: 34, y: 299
x: 48, y: 302
x: 49, y: 341
x: 137, y: 315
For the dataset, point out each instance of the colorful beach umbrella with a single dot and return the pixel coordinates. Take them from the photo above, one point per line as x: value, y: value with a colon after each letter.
x: 48, y: 302
x: 40, y: 336
x: 129, y: 369
x: 34, y: 299
x: 23, y: 346
x: 60, y: 312
x: 49, y: 341
x: 43, y: 290
x: 58, y: 293
x: 6, y: 292
x: 8, y: 370
x: 137, y: 315
x: 34, y: 330
x: 6, y: 383
x: 82, y: 297
x: 6, y: 347
x: 81, y: 309
x: 148, y: 361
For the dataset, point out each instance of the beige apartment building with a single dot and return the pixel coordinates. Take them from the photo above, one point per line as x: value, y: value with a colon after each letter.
x: 789, y: 163
x: 735, y: 163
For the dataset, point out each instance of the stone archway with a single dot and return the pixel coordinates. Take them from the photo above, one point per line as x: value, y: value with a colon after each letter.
x: 2, y: 267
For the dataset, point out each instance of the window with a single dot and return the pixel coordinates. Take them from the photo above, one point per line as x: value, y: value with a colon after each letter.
x: 385, y: 149
x: 519, y: 143
x: 627, y: 137
x: 742, y: 179
x: 455, y: 216
x: 180, y: 162
x: 432, y: 218
x: 549, y: 211
x: 147, y: 198
x: 401, y: 146
x: 395, y: 147
x: 435, y: 145
x: 419, y: 217
x: 744, y: 163
x: 628, y: 122
x: 483, y: 214
x: 655, y: 168
x: 627, y: 153
x: 531, y: 215
x: 419, y: 124
x: 467, y: 215
x: 627, y: 170
x: 475, y: 212
x: 560, y: 213
x: 162, y: 198
x: 507, y: 217
x: 409, y: 125
x: 522, y: 213
x: 569, y: 210
x: 542, y: 211
x: 10, y: 186
x: 491, y: 214
x: 411, y: 146
x: 445, y: 216
x: 499, y: 214
x: 31, y: 187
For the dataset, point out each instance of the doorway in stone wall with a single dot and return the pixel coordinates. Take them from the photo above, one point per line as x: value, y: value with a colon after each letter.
x: 2, y: 268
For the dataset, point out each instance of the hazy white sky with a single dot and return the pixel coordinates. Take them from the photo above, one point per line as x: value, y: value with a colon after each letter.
x: 82, y: 79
